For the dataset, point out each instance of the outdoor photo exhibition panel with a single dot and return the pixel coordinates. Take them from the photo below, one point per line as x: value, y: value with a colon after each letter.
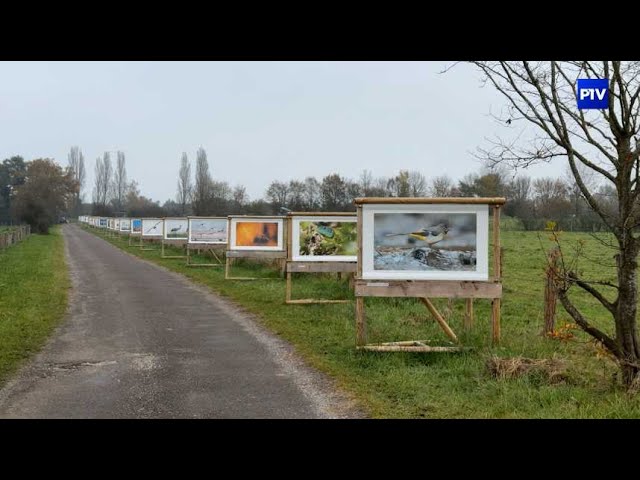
x: 135, y: 230
x: 125, y: 225
x: 175, y: 232
x: 255, y: 237
x: 427, y: 248
x: 320, y: 242
x: 152, y: 227
x: 209, y: 234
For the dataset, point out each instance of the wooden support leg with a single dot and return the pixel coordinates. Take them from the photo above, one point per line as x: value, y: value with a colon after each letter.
x: 287, y: 296
x: 361, y: 323
x: 495, y: 320
x: 468, y: 314
x: 227, y: 267
x: 441, y: 321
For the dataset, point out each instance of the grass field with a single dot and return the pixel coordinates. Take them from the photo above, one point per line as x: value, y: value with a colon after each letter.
x: 443, y: 385
x: 33, y: 296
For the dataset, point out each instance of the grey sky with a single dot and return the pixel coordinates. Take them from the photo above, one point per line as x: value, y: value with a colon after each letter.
x: 258, y: 121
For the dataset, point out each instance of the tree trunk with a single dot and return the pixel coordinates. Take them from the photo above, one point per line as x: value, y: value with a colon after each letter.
x: 626, y: 311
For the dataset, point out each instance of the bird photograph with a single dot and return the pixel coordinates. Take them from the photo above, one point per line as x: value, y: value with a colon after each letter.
x: 423, y: 241
x: 430, y: 235
x: 176, y: 228
x: 153, y: 228
x: 209, y: 231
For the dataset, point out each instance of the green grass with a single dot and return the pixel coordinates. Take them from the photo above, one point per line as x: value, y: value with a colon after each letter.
x: 33, y: 296
x: 441, y: 385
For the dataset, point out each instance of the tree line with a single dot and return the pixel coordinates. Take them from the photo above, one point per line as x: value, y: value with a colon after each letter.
x: 531, y: 203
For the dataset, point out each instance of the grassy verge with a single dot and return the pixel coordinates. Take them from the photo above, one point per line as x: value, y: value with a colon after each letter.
x: 33, y: 296
x: 441, y: 385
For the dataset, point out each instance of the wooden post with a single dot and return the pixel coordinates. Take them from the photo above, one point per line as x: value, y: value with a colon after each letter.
x: 361, y: 315
x: 551, y: 292
x: 468, y: 314
x: 287, y: 292
x: 227, y: 267
x: 497, y: 274
x: 441, y: 321
x: 361, y: 323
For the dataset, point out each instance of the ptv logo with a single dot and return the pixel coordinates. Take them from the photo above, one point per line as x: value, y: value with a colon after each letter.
x: 593, y: 93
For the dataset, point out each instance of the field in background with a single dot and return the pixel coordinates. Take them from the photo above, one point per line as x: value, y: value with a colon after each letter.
x: 33, y: 296
x: 579, y: 382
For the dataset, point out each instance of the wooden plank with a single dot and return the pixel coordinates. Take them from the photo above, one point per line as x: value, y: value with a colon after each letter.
x: 497, y: 260
x: 359, y: 239
x: 321, y: 214
x: 402, y: 348
x: 441, y: 321
x: 311, y: 301
x: 468, y: 314
x: 256, y: 254
x: 289, y: 237
x: 435, y: 200
x: 427, y: 288
x: 258, y: 217
x: 322, y: 267
x: 207, y: 246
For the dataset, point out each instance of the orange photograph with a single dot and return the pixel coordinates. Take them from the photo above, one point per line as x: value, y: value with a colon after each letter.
x: 257, y: 234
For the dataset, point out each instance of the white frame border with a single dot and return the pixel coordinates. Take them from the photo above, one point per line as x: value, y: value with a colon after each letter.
x: 295, y: 239
x: 233, y: 221
x: 193, y: 242
x: 136, y: 233
x: 159, y: 235
x: 482, y: 242
x: 164, y: 228
x: 125, y: 231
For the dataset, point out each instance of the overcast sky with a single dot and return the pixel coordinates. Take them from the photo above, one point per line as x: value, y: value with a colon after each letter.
x: 258, y: 121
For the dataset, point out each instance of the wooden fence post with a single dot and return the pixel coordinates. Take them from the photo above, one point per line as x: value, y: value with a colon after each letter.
x: 551, y: 291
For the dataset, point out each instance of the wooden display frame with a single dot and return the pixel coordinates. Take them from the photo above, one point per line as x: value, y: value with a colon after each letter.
x: 212, y: 248
x: 424, y: 289
x: 172, y: 241
x: 231, y: 255
x: 297, y: 266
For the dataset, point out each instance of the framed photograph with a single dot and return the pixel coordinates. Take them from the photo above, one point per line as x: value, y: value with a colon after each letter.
x: 103, y: 222
x: 208, y: 230
x: 256, y: 233
x: 125, y: 225
x: 324, y: 239
x: 116, y: 225
x: 425, y: 242
x: 152, y: 227
x: 176, y: 228
x: 136, y: 226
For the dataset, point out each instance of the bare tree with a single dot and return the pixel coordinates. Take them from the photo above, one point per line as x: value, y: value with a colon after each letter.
x: 240, y: 196
x: 102, y: 181
x: 441, y: 186
x: 184, y: 183
x: 366, y: 182
x: 278, y: 194
x: 606, y: 142
x: 76, y: 164
x: 311, y: 194
x: 202, y: 193
x: 417, y: 184
x: 120, y: 183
